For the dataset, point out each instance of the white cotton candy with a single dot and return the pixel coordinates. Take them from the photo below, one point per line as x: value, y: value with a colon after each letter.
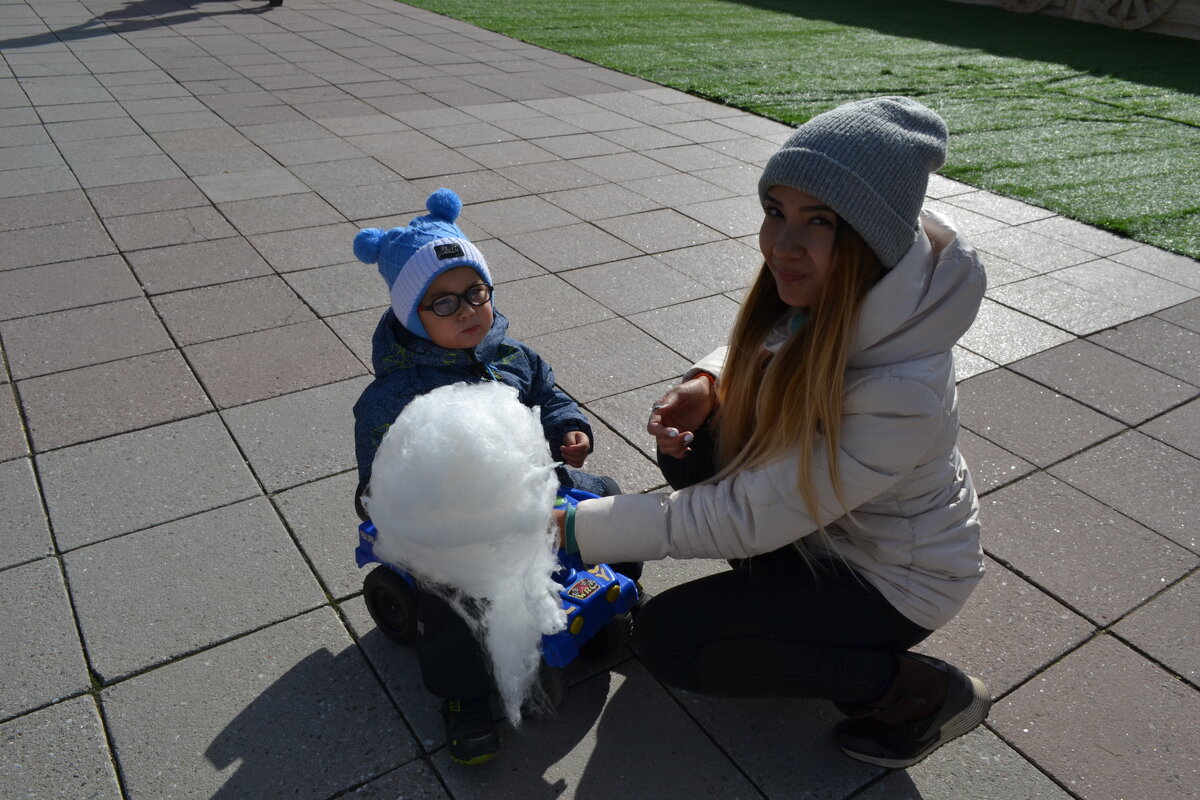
x: 460, y: 494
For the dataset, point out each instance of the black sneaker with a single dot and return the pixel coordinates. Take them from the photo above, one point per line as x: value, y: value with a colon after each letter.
x: 470, y: 730
x: 903, y: 744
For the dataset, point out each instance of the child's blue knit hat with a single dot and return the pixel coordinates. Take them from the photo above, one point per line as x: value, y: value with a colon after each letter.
x: 410, y: 258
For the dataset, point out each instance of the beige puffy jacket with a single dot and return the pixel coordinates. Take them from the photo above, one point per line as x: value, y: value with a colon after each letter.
x: 913, y: 531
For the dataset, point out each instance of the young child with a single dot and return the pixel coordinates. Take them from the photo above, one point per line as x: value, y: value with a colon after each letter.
x: 442, y: 328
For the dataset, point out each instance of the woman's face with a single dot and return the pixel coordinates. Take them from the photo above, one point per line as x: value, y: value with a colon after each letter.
x: 796, y: 240
x: 466, y: 327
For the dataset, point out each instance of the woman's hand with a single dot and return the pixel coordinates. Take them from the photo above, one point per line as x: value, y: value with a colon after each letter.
x: 574, y: 449
x: 676, y: 416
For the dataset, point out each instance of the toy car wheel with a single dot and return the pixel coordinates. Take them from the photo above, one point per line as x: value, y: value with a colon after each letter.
x: 392, y: 603
x: 609, y: 639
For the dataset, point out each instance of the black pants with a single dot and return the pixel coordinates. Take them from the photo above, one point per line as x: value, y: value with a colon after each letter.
x: 771, y: 626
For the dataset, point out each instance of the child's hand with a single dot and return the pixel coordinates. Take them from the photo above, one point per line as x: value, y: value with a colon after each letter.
x: 575, y: 446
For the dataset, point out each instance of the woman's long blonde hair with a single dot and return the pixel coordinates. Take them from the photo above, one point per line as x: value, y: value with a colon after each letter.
x: 769, y: 405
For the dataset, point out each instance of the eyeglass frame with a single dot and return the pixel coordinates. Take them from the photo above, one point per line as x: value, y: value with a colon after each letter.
x: 460, y: 298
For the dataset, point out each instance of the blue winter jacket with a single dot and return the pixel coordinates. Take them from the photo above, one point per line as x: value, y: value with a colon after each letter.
x: 407, y: 366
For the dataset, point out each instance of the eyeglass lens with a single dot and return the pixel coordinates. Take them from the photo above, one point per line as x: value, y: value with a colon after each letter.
x: 447, y: 304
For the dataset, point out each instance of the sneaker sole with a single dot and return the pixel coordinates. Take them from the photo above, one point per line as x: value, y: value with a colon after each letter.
x: 476, y: 761
x: 963, y: 722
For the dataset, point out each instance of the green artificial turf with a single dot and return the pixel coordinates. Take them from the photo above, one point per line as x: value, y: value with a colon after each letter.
x: 1096, y: 124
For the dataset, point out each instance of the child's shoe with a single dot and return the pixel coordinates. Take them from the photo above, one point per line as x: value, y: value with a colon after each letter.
x: 470, y: 730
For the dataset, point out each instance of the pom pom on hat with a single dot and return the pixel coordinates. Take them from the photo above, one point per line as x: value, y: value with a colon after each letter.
x: 870, y: 161
x: 409, y: 259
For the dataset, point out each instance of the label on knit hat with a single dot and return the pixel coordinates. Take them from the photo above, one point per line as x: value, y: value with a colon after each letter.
x: 450, y: 250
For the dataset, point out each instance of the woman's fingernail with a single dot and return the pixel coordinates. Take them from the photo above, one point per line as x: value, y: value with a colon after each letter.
x: 672, y: 432
x: 688, y: 439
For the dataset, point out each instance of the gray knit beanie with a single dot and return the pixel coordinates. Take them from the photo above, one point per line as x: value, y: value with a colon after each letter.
x: 869, y: 160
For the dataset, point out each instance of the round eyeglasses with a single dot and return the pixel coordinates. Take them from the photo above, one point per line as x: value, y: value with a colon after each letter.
x: 447, y: 304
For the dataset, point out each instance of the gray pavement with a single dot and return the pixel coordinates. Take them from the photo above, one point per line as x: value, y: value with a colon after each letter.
x: 184, y: 330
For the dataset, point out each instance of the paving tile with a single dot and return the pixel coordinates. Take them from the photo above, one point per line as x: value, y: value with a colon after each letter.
x: 41, y: 661
x: 286, y: 213
x: 677, y: 189
x: 968, y: 364
x: 146, y: 197
x: 628, y: 359
x: 1143, y: 479
x: 505, y: 263
x: 569, y: 247
x: 735, y: 216
x: 125, y: 483
x: 345, y: 174
x: 13, y: 443
x: 248, y: 184
x: 1106, y: 723
x: 621, y: 167
x: 210, y: 165
x: 658, y: 231
x: 779, y: 744
x: 1171, y: 266
x: 688, y: 157
x: 1028, y: 420
x: 229, y: 309
x: 550, y: 176
x: 518, y: 215
x: 60, y: 751
x: 375, y: 200
x: 991, y: 466
x: 36, y: 180
x: 210, y: 722
x: 979, y: 765
x: 969, y: 224
x: 322, y: 519
x: 1085, y: 237
x: 1001, y: 271
x: 266, y: 433
x: 601, y: 201
x: 112, y: 171
x: 1137, y: 290
x: 319, y: 246
x: 24, y: 535
x: 1106, y: 381
x: 1167, y: 629
x: 54, y: 287
x: 167, y: 611
x: 610, y: 284
x: 1008, y: 631
x: 1029, y: 249
x: 577, y: 754
x: 45, y: 209
x: 545, y: 304
x: 340, y: 289
x: 1159, y: 344
x: 1098, y: 562
x: 693, y: 329
x: 169, y: 227
x: 1179, y: 428
x: 1185, y: 315
x: 1003, y: 335
x: 398, y: 671
x: 29, y: 247
x: 1063, y: 304
x: 92, y: 402
x: 355, y: 330
x: 1005, y: 209
x: 186, y: 266
x: 268, y: 363
x: 723, y: 265
x: 107, y: 332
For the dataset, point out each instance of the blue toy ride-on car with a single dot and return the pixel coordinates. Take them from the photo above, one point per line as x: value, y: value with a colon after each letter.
x: 596, y: 599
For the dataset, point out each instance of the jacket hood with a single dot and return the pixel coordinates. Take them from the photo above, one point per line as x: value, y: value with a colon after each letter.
x: 924, y: 304
x: 394, y: 347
